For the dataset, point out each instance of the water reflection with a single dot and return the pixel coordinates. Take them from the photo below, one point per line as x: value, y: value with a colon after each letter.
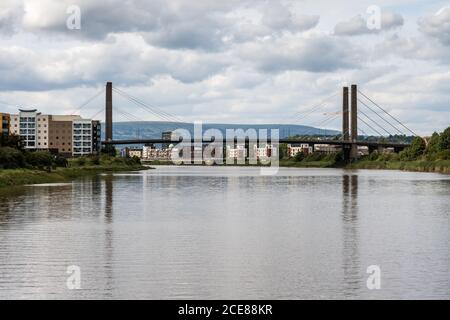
x: 222, y: 233
x: 350, y: 253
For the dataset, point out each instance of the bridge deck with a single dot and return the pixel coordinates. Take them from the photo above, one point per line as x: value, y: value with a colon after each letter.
x: 291, y: 141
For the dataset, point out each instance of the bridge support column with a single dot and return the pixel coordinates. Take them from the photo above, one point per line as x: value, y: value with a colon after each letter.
x: 108, y: 119
x: 346, y: 149
x: 354, y: 122
x: 345, y: 124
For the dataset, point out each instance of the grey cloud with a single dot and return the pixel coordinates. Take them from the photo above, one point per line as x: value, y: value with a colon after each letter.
x: 313, y: 54
x: 10, y: 15
x: 358, y: 24
x: 437, y: 25
x: 126, y: 61
x: 183, y: 24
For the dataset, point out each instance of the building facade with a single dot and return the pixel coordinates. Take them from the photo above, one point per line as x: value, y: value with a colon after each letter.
x: 60, y: 137
x: 69, y: 135
x: 82, y: 137
x: 5, y: 124
x: 293, y: 149
x: 327, y: 148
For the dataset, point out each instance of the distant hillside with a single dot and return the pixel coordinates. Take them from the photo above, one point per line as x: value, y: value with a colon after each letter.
x: 153, y: 129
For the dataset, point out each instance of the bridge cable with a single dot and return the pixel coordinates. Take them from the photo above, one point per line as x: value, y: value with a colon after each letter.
x: 389, y: 134
x: 146, y: 108
x: 299, y: 115
x: 151, y: 108
x: 320, y: 123
x: 399, y: 122
x: 364, y: 104
x: 73, y: 111
x: 375, y: 130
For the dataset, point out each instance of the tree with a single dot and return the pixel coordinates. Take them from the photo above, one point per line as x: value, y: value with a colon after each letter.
x: 40, y: 159
x: 299, y: 156
x: 433, y: 144
x: 109, y: 150
x: 11, y: 158
x: 444, y: 141
x: 283, y: 152
x: 415, y: 150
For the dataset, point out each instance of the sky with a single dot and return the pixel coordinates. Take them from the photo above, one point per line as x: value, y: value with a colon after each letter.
x: 228, y: 61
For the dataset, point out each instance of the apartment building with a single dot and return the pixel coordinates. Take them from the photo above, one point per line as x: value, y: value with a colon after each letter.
x: 24, y: 125
x: 152, y: 153
x: 238, y: 152
x: 42, y: 131
x: 96, y: 136
x: 69, y: 135
x: 82, y: 137
x: 264, y: 151
x: 327, y: 148
x: 5, y: 124
x: 293, y: 149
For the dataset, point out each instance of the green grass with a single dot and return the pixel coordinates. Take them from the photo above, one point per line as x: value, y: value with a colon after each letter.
x: 442, y: 166
x: 307, y: 164
x: 18, y: 177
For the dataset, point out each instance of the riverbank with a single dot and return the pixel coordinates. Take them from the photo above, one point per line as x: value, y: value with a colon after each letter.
x: 18, y: 177
x: 440, y: 166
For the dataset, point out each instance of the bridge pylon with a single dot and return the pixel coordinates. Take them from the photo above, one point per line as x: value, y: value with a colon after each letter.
x: 354, y: 122
x: 109, y: 115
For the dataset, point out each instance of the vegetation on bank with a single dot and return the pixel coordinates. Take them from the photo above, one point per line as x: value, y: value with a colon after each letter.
x: 21, y: 167
x: 424, y: 156
x: 430, y: 156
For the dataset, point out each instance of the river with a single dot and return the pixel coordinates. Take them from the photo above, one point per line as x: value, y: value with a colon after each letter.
x: 228, y: 233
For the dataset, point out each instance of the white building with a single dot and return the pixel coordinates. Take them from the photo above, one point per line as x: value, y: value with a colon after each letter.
x: 152, y: 153
x: 82, y: 137
x: 266, y: 151
x: 328, y: 148
x: 238, y: 152
x: 24, y: 125
x: 303, y: 147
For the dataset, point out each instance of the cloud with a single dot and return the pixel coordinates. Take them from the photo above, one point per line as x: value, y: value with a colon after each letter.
x: 124, y: 59
x: 317, y: 53
x: 10, y: 16
x: 437, y: 25
x: 358, y: 25
x: 179, y: 24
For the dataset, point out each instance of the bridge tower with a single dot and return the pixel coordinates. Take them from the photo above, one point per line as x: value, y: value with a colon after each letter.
x: 109, y: 116
x: 345, y: 124
x: 354, y: 121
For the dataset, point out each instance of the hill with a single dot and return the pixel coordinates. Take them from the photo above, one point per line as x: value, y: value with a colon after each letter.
x: 154, y: 129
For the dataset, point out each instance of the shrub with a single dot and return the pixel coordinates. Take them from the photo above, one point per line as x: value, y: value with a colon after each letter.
x: 315, y: 156
x: 95, y: 160
x: 81, y: 161
x: 60, y: 161
x: 11, y: 158
x: 299, y: 156
x: 40, y: 159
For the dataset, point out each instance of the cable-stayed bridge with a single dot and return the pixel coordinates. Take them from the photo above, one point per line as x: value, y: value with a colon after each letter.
x: 358, y: 113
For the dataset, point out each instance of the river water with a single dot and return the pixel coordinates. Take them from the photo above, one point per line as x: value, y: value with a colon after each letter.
x: 228, y: 233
